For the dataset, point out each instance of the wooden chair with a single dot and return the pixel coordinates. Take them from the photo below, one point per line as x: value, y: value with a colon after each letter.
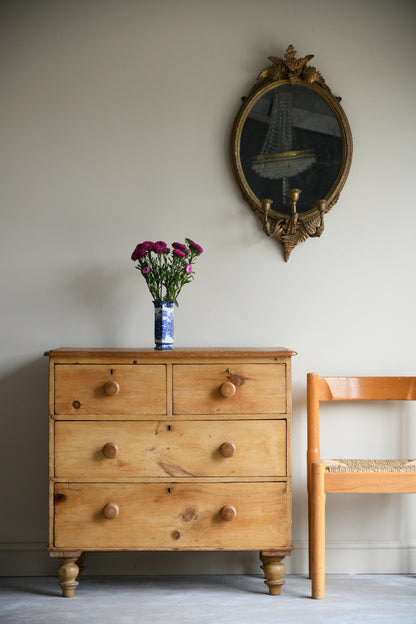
x: 349, y: 475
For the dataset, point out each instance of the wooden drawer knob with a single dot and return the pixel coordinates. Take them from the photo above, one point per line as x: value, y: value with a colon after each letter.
x: 227, y: 449
x: 111, y: 511
x: 228, y: 512
x: 111, y: 388
x: 227, y: 389
x: 110, y: 450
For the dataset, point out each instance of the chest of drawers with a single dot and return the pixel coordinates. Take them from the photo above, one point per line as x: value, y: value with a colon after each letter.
x: 187, y: 449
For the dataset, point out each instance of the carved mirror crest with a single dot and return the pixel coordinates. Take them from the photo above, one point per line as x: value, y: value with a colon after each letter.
x: 291, y: 149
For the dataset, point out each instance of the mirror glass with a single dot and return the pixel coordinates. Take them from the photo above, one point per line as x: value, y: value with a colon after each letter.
x: 291, y: 138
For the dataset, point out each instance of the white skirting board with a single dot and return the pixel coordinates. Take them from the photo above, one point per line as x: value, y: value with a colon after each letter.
x: 32, y: 559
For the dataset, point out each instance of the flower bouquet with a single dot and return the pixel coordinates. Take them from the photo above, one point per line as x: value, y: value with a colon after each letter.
x: 166, y: 270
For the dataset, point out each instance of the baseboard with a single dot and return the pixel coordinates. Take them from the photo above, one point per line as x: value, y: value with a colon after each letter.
x: 361, y: 557
x: 394, y: 557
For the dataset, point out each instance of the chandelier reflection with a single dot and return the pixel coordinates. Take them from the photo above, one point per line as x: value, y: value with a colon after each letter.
x: 277, y: 159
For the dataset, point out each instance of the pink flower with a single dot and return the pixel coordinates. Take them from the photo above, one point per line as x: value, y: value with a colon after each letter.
x: 179, y: 253
x: 180, y: 246
x: 145, y: 270
x: 195, y: 246
x: 159, y: 247
x: 188, y: 268
x: 139, y: 252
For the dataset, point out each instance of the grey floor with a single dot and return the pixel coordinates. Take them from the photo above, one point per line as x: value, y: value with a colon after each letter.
x: 208, y: 599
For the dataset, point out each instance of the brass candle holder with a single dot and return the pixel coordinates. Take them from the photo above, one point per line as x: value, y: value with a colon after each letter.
x: 290, y: 230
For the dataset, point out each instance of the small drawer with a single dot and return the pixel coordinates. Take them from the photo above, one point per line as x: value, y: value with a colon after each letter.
x: 82, y: 389
x: 90, y: 450
x: 197, y: 516
x: 234, y: 389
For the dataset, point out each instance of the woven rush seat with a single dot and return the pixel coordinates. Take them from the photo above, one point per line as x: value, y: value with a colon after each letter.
x: 370, y: 465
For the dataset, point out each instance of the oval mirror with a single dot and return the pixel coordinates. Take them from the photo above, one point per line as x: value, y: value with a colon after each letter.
x: 291, y: 149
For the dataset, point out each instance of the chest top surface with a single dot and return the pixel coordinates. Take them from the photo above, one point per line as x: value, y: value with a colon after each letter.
x: 180, y: 353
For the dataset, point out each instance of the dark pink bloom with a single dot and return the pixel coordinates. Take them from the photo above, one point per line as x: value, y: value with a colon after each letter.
x: 180, y: 246
x: 195, y: 246
x: 188, y: 268
x: 179, y: 253
x: 145, y: 270
x: 139, y: 252
x: 159, y: 247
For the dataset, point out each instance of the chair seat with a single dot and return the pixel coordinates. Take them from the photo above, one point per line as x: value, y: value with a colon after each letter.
x: 370, y: 465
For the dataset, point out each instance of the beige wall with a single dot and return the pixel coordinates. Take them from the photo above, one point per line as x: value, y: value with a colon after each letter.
x: 115, y: 121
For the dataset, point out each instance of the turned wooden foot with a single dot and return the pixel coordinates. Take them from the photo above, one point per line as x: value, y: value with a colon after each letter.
x: 274, y: 569
x: 68, y: 571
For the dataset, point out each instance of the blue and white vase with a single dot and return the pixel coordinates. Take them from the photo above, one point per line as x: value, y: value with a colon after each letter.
x: 164, y: 324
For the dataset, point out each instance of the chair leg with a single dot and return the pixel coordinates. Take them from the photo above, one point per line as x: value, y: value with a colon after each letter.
x: 317, y: 534
x: 310, y: 530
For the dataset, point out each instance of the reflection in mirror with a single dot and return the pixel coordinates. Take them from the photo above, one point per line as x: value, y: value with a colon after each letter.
x: 291, y: 149
x: 291, y: 139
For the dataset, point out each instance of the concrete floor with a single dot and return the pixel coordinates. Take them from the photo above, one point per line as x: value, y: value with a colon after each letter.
x: 212, y: 599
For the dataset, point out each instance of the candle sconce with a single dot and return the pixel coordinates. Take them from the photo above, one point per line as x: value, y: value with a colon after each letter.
x: 290, y: 230
x: 291, y: 136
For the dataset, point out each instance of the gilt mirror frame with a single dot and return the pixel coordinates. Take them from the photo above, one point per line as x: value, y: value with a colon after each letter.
x: 285, y: 222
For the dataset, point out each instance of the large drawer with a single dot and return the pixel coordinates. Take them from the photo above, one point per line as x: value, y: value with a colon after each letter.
x: 110, y: 389
x: 258, y: 389
x: 91, y: 449
x: 170, y: 516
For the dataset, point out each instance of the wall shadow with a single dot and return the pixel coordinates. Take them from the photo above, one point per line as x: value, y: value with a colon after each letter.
x: 24, y: 453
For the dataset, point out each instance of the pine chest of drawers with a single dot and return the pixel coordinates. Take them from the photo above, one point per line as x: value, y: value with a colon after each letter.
x: 188, y: 449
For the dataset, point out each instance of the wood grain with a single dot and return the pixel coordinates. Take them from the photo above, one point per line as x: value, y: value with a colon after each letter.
x: 176, y: 354
x: 197, y: 389
x: 156, y: 516
x: 370, y: 482
x: 170, y: 449
x: 367, y: 388
x: 80, y: 389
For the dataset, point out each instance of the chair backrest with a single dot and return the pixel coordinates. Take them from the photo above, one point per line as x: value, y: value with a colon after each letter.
x: 367, y: 388
x: 350, y: 389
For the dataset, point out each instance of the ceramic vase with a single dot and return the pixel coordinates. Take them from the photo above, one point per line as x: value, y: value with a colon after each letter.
x: 164, y: 324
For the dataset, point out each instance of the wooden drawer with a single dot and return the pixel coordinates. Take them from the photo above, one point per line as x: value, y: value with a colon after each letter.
x: 176, y: 449
x: 110, y: 389
x: 259, y: 389
x: 170, y: 516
